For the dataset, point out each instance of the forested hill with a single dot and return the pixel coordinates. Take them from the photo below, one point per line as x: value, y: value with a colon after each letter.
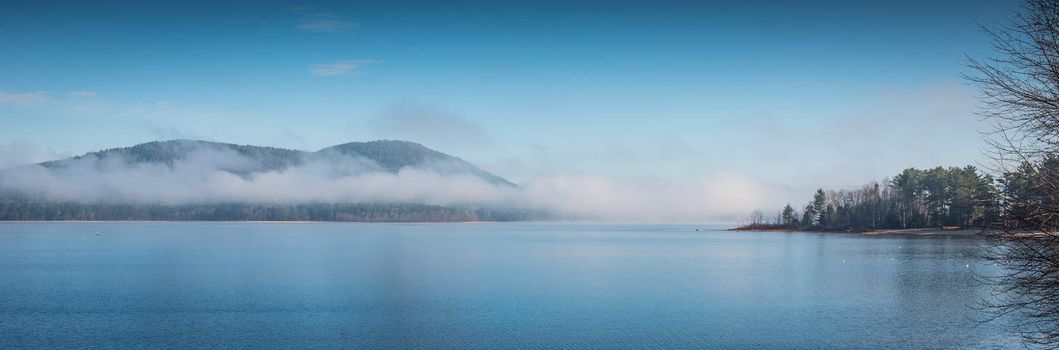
x: 382, y: 155
x: 394, y: 155
x: 199, y: 180
x: 258, y: 159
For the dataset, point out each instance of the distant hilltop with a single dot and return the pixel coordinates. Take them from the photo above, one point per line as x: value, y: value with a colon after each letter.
x: 382, y: 155
x: 384, y: 180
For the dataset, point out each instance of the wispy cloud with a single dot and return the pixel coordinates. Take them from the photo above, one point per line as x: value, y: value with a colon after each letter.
x: 82, y: 93
x: 313, y: 20
x: 341, y: 67
x: 24, y: 99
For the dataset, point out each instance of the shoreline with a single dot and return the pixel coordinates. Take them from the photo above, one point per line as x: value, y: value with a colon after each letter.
x: 884, y: 232
x: 926, y: 232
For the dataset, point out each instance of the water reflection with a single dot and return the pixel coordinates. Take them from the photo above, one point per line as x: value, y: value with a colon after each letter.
x: 481, y: 286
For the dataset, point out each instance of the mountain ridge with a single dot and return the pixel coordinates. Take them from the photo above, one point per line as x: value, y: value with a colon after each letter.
x: 389, y: 156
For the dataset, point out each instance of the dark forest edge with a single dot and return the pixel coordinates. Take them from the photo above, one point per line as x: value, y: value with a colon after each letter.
x: 350, y: 212
x: 939, y: 198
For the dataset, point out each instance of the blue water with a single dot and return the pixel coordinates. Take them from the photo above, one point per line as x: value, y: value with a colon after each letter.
x: 479, y: 286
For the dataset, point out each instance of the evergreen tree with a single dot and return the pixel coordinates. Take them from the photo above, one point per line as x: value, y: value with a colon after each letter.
x: 819, y: 199
x: 788, y: 215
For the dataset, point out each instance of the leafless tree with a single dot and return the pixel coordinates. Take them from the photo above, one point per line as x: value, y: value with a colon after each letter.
x: 757, y: 217
x: 1020, y: 96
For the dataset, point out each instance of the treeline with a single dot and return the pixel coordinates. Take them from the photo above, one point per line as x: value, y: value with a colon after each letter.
x: 351, y: 212
x: 932, y: 198
x: 1031, y: 196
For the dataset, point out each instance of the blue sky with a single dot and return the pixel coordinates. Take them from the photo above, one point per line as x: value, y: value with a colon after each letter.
x: 786, y: 95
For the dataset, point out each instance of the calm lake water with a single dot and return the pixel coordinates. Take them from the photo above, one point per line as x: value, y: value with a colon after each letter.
x: 467, y: 286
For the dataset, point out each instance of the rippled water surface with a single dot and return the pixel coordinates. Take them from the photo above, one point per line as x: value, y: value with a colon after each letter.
x: 464, y: 286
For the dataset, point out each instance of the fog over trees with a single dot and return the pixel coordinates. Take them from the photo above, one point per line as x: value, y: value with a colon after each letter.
x: 357, y: 181
x: 199, y: 180
x: 354, y: 212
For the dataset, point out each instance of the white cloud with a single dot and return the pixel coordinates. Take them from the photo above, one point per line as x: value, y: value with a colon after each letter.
x: 312, y: 20
x: 82, y: 93
x: 24, y: 99
x: 341, y: 67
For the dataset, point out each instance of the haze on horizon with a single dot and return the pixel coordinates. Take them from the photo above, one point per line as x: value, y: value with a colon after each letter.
x: 704, y: 111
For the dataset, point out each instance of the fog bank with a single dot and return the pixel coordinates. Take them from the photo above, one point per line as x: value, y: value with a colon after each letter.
x: 211, y: 175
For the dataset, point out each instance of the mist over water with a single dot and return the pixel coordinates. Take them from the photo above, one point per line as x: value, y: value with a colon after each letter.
x: 205, y: 175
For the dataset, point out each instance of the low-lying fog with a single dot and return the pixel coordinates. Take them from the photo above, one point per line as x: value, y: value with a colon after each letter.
x: 214, y: 176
